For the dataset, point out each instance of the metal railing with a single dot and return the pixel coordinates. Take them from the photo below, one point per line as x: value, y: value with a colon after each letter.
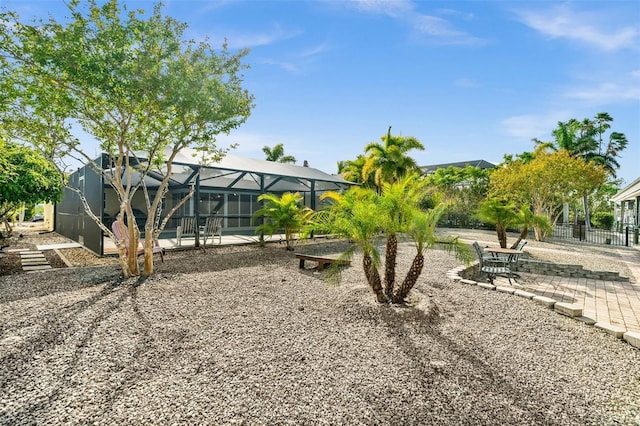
x: 627, y: 238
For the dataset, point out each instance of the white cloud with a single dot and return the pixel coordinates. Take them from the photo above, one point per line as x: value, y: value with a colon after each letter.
x: 288, y: 66
x: 531, y: 126
x: 612, y: 86
x: 466, y: 82
x: 441, y: 31
x: 276, y: 34
x: 393, y: 8
x: 313, y: 51
x: 605, y: 93
x: 586, y: 27
x: 434, y: 28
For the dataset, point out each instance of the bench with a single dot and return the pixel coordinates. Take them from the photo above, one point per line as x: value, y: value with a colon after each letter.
x: 322, y: 260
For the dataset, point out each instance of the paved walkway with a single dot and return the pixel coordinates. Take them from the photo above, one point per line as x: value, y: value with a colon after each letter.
x: 31, y: 260
x: 609, y: 302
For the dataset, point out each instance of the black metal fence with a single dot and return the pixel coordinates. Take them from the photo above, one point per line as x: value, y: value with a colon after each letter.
x: 627, y: 238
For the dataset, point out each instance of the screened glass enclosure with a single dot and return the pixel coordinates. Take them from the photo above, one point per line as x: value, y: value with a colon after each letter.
x: 229, y: 188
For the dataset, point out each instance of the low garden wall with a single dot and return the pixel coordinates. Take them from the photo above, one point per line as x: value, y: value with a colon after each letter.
x: 542, y: 267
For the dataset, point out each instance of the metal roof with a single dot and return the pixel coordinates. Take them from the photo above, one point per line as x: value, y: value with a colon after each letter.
x: 461, y: 164
x: 235, y: 172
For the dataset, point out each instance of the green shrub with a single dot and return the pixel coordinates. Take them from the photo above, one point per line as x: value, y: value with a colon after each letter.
x: 603, y: 220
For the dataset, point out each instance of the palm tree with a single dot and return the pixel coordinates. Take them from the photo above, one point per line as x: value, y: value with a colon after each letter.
x: 387, y: 161
x: 526, y: 220
x: 585, y: 140
x: 397, y: 201
x: 284, y: 213
x: 351, y: 170
x: 355, y: 215
x: 277, y: 154
x: 501, y: 214
x: 422, y: 231
x: 364, y: 217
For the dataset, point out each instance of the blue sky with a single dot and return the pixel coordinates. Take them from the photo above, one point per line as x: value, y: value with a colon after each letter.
x: 470, y: 79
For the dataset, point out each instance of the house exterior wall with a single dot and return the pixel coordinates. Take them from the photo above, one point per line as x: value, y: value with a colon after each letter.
x: 71, y: 218
x: 627, y: 205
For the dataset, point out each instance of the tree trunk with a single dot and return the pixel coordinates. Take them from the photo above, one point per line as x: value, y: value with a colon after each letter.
x: 410, y: 280
x: 132, y: 261
x: 541, y: 235
x: 523, y: 235
x: 288, y: 237
x: 587, y: 213
x: 502, y: 235
x: 134, y: 242
x: 124, y: 261
x: 373, y: 278
x: 390, y: 265
x: 8, y: 227
x: 148, y: 256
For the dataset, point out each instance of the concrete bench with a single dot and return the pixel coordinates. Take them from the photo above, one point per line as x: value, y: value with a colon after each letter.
x: 322, y: 260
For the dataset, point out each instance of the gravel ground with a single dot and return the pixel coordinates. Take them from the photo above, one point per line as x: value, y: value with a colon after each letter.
x: 241, y: 335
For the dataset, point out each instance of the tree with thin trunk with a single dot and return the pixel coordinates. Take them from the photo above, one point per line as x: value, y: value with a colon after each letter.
x: 351, y: 170
x: 132, y: 83
x: 545, y: 183
x: 422, y: 231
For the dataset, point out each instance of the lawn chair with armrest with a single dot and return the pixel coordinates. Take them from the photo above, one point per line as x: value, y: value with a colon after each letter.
x: 212, y: 228
x: 492, y: 266
x: 187, y: 228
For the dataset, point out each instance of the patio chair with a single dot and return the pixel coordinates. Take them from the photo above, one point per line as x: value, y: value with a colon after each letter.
x: 122, y: 234
x: 492, y: 266
x: 187, y: 228
x: 212, y: 228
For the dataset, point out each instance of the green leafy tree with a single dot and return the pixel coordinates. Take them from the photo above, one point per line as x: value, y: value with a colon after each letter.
x: 603, y: 220
x: 26, y: 177
x: 133, y: 84
x: 586, y: 140
x: 283, y: 213
x: 505, y: 215
x: 388, y: 161
x: 545, y: 183
x: 277, y: 154
x: 463, y: 189
x: 354, y: 215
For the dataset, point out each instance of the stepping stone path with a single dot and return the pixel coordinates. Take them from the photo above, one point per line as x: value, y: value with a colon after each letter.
x: 32, y: 260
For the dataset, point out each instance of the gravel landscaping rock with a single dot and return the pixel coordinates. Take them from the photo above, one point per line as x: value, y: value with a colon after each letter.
x: 242, y: 335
